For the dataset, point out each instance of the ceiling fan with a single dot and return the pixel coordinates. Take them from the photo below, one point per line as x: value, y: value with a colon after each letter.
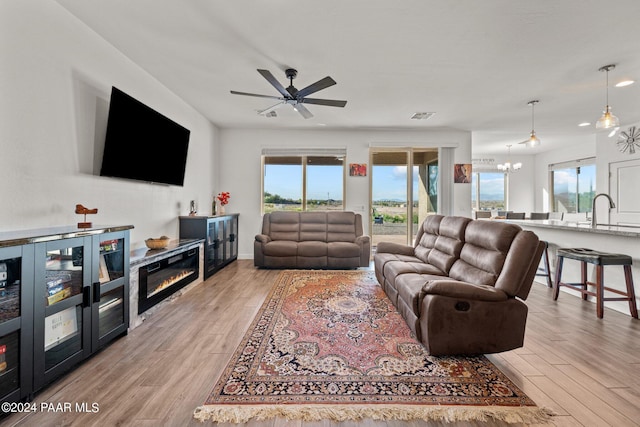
x: 293, y: 96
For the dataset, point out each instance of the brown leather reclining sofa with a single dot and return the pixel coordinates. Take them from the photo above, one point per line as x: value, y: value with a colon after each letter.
x: 460, y: 287
x: 311, y: 240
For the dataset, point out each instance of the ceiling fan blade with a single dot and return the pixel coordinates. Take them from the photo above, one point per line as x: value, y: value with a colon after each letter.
x: 303, y: 111
x: 328, y: 102
x: 273, y: 107
x: 319, y: 85
x: 275, y: 83
x: 235, y: 92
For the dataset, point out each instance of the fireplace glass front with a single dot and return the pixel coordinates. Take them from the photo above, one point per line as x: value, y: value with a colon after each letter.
x: 163, y: 278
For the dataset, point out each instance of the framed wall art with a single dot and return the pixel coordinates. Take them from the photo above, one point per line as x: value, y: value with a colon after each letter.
x: 357, y: 169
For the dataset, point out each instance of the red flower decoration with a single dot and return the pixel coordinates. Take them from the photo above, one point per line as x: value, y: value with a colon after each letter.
x: 223, y: 197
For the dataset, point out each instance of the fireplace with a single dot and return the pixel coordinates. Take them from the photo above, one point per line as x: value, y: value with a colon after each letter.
x: 160, y: 279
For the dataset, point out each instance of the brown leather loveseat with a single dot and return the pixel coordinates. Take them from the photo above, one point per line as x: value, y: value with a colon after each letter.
x: 460, y: 287
x: 331, y: 239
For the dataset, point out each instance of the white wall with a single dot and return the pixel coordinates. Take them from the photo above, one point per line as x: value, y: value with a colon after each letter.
x: 240, y: 168
x: 55, y: 81
x: 607, y: 153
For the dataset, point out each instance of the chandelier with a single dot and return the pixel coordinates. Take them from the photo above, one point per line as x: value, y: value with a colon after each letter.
x: 508, y: 166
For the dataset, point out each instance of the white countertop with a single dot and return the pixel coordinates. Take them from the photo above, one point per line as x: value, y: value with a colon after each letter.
x: 610, y: 229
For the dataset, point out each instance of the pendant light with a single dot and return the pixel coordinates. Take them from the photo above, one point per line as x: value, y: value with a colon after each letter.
x: 607, y: 120
x: 533, y: 140
x: 508, y: 167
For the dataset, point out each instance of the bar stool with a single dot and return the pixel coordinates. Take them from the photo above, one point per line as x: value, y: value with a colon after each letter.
x: 544, y: 270
x: 600, y: 259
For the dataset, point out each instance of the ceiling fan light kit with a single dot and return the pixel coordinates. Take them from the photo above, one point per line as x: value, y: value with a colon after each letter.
x: 533, y: 140
x: 608, y: 120
x: 294, y: 97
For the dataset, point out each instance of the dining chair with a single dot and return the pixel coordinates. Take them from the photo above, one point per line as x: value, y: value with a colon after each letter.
x: 539, y: 215
x: 482, y: 214
x: 556, y: 215
x: 515, y: 215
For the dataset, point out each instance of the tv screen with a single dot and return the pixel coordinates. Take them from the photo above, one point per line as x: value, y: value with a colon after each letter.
x: 142, y: 144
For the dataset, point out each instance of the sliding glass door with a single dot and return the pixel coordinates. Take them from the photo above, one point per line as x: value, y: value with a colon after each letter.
x: 404, y: 190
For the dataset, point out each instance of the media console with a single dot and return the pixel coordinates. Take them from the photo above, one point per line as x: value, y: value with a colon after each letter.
x: 64, y: 295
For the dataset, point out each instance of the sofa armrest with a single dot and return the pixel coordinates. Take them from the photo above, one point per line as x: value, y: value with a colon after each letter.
x: 394, y: 248
x: 363, y: 240
x: 263, y: 238
x: 457, y: 289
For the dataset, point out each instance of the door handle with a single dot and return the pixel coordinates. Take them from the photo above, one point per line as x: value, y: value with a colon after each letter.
x: 96, y: 292
x: 86, y: 296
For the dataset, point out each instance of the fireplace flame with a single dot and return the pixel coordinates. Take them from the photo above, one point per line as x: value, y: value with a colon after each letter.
x: 171, y: 281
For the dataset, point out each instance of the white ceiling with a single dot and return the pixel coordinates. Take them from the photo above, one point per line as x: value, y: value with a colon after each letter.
x: 476, y: 63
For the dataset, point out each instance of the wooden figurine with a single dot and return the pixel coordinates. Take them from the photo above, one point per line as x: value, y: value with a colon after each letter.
x: 81, y: 210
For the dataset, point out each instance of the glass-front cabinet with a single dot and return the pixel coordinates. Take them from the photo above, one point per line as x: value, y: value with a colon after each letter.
x: 221, y: 238
x: 16, y: 322
x: 62, y: 328
x: 64, y: 294
x: 110, y: 305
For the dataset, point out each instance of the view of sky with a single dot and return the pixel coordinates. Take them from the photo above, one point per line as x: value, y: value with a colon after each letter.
x: 325, y: 182
x: 389, y: 182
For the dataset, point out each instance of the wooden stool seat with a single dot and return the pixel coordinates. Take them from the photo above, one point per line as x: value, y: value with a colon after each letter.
x: 599, y: 259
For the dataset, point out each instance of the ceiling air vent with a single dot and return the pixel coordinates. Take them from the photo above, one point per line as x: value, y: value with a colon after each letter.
x: 422, y: 116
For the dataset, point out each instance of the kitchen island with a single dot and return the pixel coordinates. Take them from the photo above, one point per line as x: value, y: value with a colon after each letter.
x: 604, y: 237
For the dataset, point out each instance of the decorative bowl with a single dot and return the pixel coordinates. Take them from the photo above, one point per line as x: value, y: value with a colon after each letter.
x: 159, y: 243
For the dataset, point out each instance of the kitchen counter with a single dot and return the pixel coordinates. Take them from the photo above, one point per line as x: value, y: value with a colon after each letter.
x: 585, y: 227
x: 607, y: 238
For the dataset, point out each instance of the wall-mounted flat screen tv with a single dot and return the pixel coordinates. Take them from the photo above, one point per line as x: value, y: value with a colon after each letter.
x: 143, y: 144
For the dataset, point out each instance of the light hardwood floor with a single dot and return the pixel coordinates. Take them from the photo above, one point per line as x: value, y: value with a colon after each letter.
x: 586, y: 370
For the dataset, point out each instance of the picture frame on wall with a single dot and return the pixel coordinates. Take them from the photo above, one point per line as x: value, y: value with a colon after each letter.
x: 462, y: 173
x: 357, y: 169
x: 432, y: 185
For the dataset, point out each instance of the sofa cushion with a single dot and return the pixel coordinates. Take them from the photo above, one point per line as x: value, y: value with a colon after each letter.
x: 312, y: 249
x: 484, y: 252
x: 341, y: 227
x: 313, y: 227
x: 343, y: 249
x: 426, y: 237
x: 282, y: 226
x: 449, y: 242
x: 278, y: 248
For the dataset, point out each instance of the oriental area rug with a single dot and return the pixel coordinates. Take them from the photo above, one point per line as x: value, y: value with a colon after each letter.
x: 330, y: 345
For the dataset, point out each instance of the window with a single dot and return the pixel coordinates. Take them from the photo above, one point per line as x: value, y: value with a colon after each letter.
x: 307, y: 182
x: 488, y: 191
x: 573, y: 186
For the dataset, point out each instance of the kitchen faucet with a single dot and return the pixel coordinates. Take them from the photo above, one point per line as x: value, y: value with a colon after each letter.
x: 593, y: 207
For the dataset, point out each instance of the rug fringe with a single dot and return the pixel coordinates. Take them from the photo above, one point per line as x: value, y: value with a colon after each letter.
x: 242, y: 414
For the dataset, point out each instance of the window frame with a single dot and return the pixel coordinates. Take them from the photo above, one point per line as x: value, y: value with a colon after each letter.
x: 303, y: 156
x: 476, y: 173
x: 573, y: 164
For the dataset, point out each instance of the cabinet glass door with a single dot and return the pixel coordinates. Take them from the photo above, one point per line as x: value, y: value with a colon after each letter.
x: 16, y: 320
x: 9, y: 363
x: 110, y: 298
x: 61, y: 331
x: 233, y: 238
